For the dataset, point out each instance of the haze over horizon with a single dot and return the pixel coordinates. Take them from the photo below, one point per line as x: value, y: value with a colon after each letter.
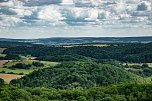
x: 75, y: 18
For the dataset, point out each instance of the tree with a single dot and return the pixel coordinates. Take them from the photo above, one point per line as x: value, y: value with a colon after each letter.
x: 12, y: 57
x: 145, y: 65
x: 21, y: 66
x: 38, y: 64
x: 81, y: 98
x: 1, y: 81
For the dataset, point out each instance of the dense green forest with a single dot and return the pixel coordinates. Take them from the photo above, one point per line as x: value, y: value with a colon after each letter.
x: 77, y: 75
x: 123, y: 92
x: 116, y: 72
x: 135, y: 52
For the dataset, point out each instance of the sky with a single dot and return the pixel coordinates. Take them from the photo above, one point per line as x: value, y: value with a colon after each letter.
x: 75, y: 18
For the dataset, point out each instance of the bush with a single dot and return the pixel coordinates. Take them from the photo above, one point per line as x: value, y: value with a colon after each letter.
x: 4, y: 66
x: 3, y: 72
x: 21, y: 73
x: 21, y: 66
x: 1, y: 81
x: 10, y: 73
x: 37, y: 64
x: 81, y: 98
x: 145, y: 65
x: 12, y: 57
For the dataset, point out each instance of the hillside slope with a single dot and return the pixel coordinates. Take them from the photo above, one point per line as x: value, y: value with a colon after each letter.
x: 77, y: 74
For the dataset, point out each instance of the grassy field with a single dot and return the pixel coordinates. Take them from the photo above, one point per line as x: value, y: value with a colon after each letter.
x: 8, y: 77
x: 25, y: 71
x: 17, y: 71
x: 2, y: 55
x: 140, y: 64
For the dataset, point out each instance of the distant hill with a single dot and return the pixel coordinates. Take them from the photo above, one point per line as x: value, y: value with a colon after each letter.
x: 82, y: 40
x: 8, y: 44
x: 126, y: 52
x: 77, y: 74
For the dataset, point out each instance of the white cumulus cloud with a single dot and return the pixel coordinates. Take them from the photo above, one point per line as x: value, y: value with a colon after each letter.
x: 50, y: 13
x: 72, y: 12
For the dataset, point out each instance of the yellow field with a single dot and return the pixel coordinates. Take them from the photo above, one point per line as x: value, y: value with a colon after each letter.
x: 2, y: 49
x: 8, y: 77
x: 97, y: 45
x: 2, y: 62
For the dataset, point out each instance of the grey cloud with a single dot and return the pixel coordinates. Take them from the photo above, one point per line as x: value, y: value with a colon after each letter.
x: 40, y: 2
x: 142, y: 7
x: 7, y: 11
x: 74, y: 12
x: 3, y: 0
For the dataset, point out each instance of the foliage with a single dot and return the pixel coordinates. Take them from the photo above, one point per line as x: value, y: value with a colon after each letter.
x: 21, y: 66
x: 1, y: 81
x: 76, y: 75
x: 145, y: 65
x: 133, y: 52
x: 142, y: 70
x: 123, y: 92
x: 37, y: 64
x: 12, y: 57
x: 62, y: 58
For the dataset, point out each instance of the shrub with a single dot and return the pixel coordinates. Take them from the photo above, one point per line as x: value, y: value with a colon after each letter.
x: 21, y: 66
x: 1, y: 81
x: 38, y: 64
x: 12, y: 57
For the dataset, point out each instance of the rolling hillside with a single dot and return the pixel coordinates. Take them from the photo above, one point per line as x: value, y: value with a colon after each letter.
x: 77, y: 75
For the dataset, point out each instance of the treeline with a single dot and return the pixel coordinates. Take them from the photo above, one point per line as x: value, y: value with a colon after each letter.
x: 8, y: 44
x: 123, y: 92
x: 133, y: 52
x: 61, y: 58
x: 10, y: 57
x: 77, y: 75
x: 26, y: 66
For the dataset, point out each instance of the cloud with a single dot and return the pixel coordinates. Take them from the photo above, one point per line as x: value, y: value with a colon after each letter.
x: 144, y: 6
x: 40, y: 2
x: 74, y: 12
x: 67, y: 2
x: 9, y: 21
x: 3, y: 0
x: 50, y: 13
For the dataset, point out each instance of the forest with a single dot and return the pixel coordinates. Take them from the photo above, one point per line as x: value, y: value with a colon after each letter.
x: 77, y: 75
x: 121, y: 92
x: 126, y: 52
x: 114, y: 72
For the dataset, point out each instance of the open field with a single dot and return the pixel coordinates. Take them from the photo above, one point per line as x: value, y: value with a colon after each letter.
x: 25, y: 71
x: 2, y: 55
x: 132, y: 69
x: 2, y: 62
x: 46, y: 64
x: 17, y: 71
x: 2, y: 49
x: 97, y: 45
x: 140, y: 64
x: 8, y: 77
